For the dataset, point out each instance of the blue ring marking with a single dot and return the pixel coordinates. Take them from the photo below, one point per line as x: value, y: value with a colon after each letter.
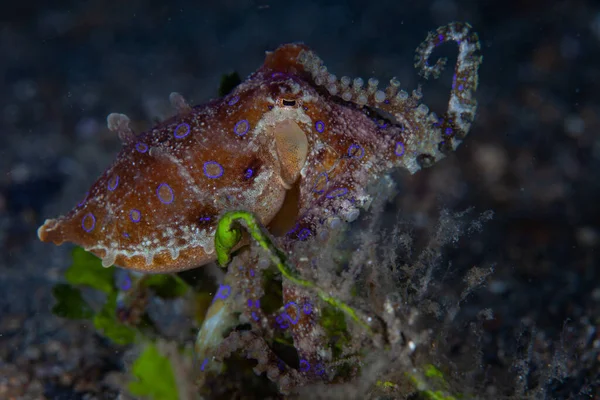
x: 320, y: 369
x: 141, y: 147
x: 126, y: 282
x: 306, y: 366
x: 90, y: 215
x: 112, y: 186
x: 135, y: 215
x: 244, y: 129
x: 182, y: 135
x: 401, y: 146
x: 337, y: 192
x: 293, y: 230
x: 204, y: 364
x: 351, y: 151
x: 220, y: 294
x: 233, y: 100
x: 249, y: 173
x: 320, y: 126
x: 210, y: 175
x: 281, y: 322
x: 285, y: 314
x: 82, y: 202
x: 307, y: 308
x: 448, y: 131
x: 161, y: 198
x: 317, y: 179
x: 304, y: 234
x: 255, y: 317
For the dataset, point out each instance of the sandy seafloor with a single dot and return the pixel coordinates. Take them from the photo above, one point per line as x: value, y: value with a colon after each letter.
x: 533, y: 154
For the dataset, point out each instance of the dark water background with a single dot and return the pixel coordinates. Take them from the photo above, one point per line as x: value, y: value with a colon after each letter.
x: 533, y: 154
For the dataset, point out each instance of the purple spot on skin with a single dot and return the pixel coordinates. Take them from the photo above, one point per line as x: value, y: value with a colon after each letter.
x: 448, y: 131
x: 307, y: 308
x: 280, y: 321
x: 113, y: 183
x: 141, y: 147
x: 90, y: 217
x: 223, y: 292
x: 126, y: 283
x: 356, y: 151
x: 233, y: 100
x: 82, y: 202
x: 304, y: 366
x: 165, y: 198
x: 241, y: 127
x: 182, y: 130
x: 304, y: 234
x: 285, y: 314
x: 204, y: 364
x: 381, y: 124
x: 213, y: 174
x: 248, y: 173
x: 319, y: 126
x: 255, y: 302
x: 399, y: 150
x: 318, y: 182
x: 135, y: 215
x: 320, y: 369
x: 294, y: 229
x: 339, y: 192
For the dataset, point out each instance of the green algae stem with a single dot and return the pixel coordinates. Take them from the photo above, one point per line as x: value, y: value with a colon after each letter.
x: 228, y: 235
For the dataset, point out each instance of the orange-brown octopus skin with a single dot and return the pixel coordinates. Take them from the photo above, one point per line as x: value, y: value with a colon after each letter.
x: 291, y: 137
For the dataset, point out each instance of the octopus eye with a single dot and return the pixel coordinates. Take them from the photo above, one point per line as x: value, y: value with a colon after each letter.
x: 288, y: 102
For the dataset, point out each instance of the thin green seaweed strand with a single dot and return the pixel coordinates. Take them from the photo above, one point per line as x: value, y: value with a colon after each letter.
x: 228, y: 236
